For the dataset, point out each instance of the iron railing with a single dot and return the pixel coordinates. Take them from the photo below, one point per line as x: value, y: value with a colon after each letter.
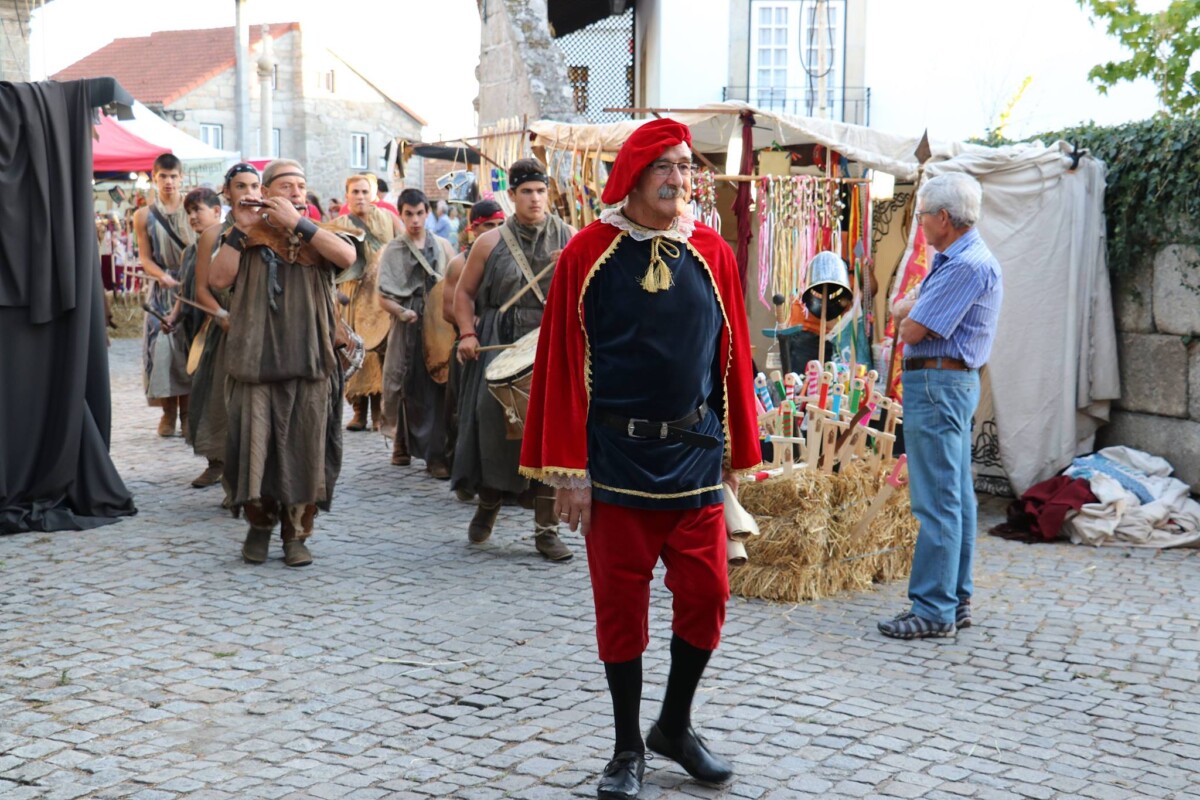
x: 842, y: 103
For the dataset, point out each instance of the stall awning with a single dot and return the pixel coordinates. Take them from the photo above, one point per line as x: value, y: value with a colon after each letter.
x: 118, y: 150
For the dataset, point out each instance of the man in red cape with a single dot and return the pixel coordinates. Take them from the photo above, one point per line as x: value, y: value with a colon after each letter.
x: 641, y: 408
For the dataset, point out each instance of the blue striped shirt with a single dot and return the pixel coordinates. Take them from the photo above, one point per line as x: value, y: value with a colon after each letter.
x: 960, y: 302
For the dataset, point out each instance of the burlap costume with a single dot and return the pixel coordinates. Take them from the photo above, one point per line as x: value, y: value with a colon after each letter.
x: 164, y: 357
x: 378, y: 229
x: 283, y: 390
x: 483, y: 456
x: 410, y: 395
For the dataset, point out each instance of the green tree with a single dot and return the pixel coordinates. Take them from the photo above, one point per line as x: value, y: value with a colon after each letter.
x: 1162, y: 45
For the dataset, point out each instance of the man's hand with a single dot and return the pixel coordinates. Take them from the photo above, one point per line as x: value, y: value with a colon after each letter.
x: 574, y: 507
x: 223, y: 322
x: 281, y: 213
x: 901, y: 308
x: 730, y: 477
x: 468, y: 349
x: 167, y: 281
x: 409, y: 316
x: 246, y: 217
x: 167, y: 325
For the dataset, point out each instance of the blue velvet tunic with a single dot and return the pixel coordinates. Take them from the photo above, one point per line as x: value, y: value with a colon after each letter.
x: 653, y: 356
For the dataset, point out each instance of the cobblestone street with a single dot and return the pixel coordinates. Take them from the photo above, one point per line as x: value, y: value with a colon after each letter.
x: 146, y: 660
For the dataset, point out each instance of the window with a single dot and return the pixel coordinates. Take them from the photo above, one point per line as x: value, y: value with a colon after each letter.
x: 212, y: 135
x: 579, y: 87
x: 797, y: 55
x: 358, y: 151
x: 330, y: 81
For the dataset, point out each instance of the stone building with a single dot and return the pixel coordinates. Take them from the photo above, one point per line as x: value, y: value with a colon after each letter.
x: 570, y: 59
x: 14, y: 40
x: 326, y: 113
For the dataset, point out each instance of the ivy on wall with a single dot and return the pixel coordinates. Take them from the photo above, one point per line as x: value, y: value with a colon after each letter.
x: 1153, y: 183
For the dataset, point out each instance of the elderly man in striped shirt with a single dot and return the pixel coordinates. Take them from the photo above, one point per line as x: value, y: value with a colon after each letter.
x: 948, y: 332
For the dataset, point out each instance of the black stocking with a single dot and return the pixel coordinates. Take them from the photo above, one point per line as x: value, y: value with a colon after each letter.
x: 687, y: 665
x: 625, y: 686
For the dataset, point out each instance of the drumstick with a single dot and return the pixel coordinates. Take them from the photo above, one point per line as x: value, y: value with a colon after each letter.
x: 146, y: 307
x: 491, y: 347
x: 513, y: 300
x: 193, y: 304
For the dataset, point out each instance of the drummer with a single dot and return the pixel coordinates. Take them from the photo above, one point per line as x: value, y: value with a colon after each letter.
x: 365, y: 388
x: 413, y: 402
x: 502, y: 263
x: 483, y: 217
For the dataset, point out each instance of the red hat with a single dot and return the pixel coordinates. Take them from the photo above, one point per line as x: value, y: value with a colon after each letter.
x: 646, y: 144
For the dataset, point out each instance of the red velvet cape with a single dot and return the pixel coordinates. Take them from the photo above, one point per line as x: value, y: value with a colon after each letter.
x: 555, y: 441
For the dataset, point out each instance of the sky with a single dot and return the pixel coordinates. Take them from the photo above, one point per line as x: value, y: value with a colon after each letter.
x: 952, y: 65
x: 946, y: 65
x: 421, y: 52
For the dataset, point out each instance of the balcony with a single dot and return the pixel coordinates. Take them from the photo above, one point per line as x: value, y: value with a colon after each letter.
x: 843, y: 103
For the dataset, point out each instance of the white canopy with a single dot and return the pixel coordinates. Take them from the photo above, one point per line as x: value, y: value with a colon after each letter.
x: 1053, y: 368
x: 197, y: 157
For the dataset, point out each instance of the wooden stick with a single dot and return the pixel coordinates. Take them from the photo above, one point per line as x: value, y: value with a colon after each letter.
x: 490, y: 347
x: 513, y: 300
x: 146, y: 307
x: 894, y: 481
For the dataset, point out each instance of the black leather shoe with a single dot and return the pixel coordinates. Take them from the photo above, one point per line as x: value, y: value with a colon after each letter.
x: 690, y: 752
x: 622, y: 778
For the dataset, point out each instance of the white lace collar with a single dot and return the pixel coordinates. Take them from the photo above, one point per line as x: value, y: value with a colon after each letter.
x: 681, y: 228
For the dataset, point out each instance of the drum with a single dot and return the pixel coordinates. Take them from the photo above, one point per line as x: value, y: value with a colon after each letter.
x: 509, y: 378
x: 366, y: 317
x: 437, y: 336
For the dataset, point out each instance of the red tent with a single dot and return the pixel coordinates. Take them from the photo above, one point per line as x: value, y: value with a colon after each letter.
x: 118, y: 150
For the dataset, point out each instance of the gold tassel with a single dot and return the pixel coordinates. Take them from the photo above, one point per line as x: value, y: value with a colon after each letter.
x: 658, y: 277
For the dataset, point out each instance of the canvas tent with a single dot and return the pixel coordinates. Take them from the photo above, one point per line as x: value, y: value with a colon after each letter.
x: 1053, y: 369
x: 116, y: 149
x: 202, y: 163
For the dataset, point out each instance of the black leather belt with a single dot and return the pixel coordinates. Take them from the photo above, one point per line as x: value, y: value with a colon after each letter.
x: 673, y: 431
x: 938, y: 362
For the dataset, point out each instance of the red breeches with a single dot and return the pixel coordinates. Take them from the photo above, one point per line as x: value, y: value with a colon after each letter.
x: 624, y: 546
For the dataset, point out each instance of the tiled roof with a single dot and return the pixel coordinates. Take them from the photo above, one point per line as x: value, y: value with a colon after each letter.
x: 162, y: 67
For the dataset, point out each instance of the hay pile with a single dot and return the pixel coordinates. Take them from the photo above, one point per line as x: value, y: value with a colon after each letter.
x: 805, y: 552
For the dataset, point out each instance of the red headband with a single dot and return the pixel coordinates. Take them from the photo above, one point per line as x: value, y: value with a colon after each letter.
x: 498, y: 216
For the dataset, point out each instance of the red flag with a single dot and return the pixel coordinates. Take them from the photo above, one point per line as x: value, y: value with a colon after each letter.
x: 914, y: 272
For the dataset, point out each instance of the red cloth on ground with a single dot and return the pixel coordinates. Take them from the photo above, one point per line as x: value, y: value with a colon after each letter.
x: 623, y: 547
x: 1043, y: 508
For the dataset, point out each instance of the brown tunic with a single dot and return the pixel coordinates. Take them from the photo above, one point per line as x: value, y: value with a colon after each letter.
x: 379, y: 228
x: 284, y: 386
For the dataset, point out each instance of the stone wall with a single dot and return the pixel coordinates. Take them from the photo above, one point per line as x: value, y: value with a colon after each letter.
x: 14, y: 40
x: 521, y: 70
x: 1158, y: 337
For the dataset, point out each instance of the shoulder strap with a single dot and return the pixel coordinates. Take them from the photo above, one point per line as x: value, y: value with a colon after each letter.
x: 518, y: 255
x: 420, y: 257
x: 158, y: 217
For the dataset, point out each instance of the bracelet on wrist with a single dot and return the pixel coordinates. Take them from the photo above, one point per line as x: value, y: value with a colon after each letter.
x: 306, y: 229
x: 235, y: 238
x: 467, y: 335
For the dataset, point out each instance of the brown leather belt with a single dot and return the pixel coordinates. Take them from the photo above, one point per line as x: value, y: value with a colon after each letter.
x: 942, y: 362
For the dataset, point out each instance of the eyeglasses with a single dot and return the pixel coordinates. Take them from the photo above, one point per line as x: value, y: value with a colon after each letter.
x: 927, y: 213
x: 663, y: 168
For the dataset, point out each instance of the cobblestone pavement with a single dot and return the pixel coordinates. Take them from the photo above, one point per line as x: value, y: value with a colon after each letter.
x: 145, y: 660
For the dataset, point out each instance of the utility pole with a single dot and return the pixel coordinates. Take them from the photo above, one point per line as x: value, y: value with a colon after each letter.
x: 266, y: 73
x: 241, y: 93
x: 822, y: 62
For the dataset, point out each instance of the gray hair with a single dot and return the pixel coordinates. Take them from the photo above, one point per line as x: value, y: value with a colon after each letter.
x: 957, y: 192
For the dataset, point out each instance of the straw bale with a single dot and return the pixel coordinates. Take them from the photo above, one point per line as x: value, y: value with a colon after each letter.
x: 805, y: 551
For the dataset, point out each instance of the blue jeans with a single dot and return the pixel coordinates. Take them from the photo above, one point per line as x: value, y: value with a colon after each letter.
x: 938, y: 405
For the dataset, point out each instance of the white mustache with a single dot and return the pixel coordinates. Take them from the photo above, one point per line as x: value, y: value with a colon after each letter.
x: 669, y: 192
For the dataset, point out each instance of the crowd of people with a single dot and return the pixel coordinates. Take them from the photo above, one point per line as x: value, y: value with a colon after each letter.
x: 636, y: 413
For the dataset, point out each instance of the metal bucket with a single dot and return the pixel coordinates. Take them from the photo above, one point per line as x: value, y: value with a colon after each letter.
x: 829, y: 285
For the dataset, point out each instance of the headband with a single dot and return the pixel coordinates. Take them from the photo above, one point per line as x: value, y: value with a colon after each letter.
x: 279, y: 175
x: 525, y: 177
x: 238, y: 169
x: 496, y: 217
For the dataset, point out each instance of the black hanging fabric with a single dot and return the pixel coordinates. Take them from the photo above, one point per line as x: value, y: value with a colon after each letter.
x: 55, y: 403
